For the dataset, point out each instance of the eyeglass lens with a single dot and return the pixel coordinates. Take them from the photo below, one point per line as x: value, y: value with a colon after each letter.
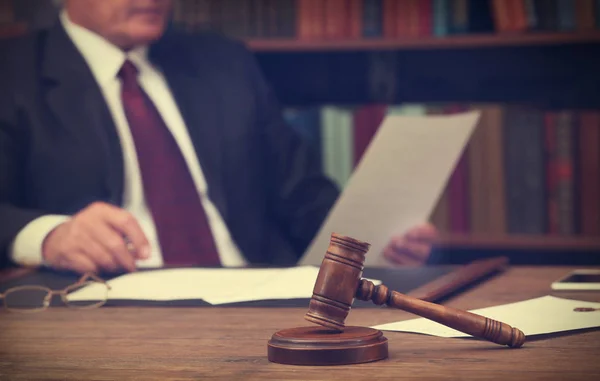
x: 33, y: 298
x: 27, y: 298
x: 88, y: 294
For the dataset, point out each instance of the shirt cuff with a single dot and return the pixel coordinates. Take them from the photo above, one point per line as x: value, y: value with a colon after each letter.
x: 26, y: 248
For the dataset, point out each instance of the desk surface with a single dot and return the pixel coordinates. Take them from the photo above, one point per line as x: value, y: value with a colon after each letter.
x: 230, y: 343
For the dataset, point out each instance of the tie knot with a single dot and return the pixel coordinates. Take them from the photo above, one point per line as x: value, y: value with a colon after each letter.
x: 128, y: 72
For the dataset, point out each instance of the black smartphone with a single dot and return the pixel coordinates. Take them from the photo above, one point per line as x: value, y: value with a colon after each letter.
x: 581, y: 279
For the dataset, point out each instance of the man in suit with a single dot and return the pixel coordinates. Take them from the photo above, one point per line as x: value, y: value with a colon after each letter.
x: 124, y: 145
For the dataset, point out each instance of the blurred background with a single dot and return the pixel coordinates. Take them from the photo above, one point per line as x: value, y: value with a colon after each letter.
x: 527, y: 185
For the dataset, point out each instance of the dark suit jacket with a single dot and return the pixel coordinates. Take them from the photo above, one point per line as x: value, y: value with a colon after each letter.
x: 59, y: 148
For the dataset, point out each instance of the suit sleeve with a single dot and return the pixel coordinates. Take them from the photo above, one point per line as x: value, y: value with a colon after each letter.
x: 300, y: 195
x: 14, y: 216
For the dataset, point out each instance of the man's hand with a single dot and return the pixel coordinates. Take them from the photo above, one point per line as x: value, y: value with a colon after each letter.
x: 413, y: 247
x: 101, y: 237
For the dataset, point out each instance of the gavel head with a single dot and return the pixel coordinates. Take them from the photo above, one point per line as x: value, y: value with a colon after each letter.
x: 337, y: 282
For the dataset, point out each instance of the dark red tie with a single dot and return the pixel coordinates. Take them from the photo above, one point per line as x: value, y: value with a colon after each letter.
x: 182, y: 227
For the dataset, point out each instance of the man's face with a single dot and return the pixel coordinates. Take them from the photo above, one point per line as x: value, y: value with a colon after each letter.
x: 125, y: 23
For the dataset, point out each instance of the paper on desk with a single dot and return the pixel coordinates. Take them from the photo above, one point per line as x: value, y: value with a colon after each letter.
x: 397, y: 183
x: 215, y: 286
x: 547, y: 314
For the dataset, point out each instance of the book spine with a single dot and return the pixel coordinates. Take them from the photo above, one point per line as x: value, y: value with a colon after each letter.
x: 547, y: 14
x: 413, y: 18
x: 486, y: 174
x: 390, y: 17
x: 372, y: 18
x: 532, y: 18
x: 565, y: 173
x: 550, y: 120
x: 525, y: 167
x: 520, y: 22
x: 459, y: 17
x: 566, y: 15
x: 425, y: 18
x: 458, y: 187
x: 402, y: 19
x: 354, y: 19
x: 335, y: 18
x: 589, y: 164
x: 502, y: 20
x: 440, y: 17
x: 303, y: 20
x: 584, y: 15
x: 366, y: 123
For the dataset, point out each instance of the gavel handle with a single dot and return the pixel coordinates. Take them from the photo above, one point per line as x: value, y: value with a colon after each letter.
x: 463, y: 321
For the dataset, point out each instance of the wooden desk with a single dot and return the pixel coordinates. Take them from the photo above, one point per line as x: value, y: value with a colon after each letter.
x: 230, y: 343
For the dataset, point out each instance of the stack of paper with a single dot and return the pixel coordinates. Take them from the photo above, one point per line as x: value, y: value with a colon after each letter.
x: 537, y: 316
x: 215, y: 286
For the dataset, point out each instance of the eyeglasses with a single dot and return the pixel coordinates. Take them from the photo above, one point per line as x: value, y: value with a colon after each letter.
x: 37, y: 298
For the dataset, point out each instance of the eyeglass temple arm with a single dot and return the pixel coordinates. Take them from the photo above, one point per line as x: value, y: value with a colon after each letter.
x: 82, y: 280
x: 98, y: 279
x: 93, y: 276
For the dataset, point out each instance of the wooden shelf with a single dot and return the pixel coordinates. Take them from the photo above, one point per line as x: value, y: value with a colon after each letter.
x: 12, y: 30
x: 454, y: 42
x: 519, y: 242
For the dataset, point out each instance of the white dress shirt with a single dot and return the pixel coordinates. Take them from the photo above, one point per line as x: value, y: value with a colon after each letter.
x: 105, y: 60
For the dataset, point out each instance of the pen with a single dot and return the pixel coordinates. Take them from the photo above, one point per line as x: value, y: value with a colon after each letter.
x: 585, y: 309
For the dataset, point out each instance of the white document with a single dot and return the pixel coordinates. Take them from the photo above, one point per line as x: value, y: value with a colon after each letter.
x: 397, y: 183
x: 215, y: 286
x: 547, y: 314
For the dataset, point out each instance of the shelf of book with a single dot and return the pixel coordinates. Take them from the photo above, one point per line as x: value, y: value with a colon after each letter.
x: 467, y: 41
x: 545, y: 242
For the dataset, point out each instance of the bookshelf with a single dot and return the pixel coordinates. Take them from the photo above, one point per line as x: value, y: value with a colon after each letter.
x: 519, y: 242
x: 479, y: 41
x: 424, y: 43
x: 500, y: 62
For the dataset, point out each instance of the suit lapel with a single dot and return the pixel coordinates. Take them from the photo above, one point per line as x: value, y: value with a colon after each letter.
x: 76, y: 101
x: 195, y: 94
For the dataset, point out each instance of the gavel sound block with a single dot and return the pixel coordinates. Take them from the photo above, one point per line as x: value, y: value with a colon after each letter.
x: 338, y: 284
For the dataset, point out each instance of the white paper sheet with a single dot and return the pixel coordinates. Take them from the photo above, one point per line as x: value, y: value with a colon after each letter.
x: 547, y: 314
x: 397, y: 183
x: 215, y: 286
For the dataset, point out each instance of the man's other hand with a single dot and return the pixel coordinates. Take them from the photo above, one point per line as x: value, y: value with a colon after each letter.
x: 99, y: 238
x: 413, y: 247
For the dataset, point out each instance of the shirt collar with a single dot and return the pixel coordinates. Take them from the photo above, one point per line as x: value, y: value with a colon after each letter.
x: 103, y: 58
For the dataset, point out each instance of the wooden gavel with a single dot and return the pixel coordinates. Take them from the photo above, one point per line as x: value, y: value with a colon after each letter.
x: 339, y: 283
